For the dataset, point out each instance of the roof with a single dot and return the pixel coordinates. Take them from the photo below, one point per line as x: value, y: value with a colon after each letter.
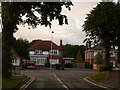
x: 100, y: 47
x: 44, y: 45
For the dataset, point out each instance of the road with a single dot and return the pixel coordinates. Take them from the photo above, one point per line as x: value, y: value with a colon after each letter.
x: 68, y: 79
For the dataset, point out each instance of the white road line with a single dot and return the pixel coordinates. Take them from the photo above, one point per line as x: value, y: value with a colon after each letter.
x: 65, y: 87
x: 61, y: 82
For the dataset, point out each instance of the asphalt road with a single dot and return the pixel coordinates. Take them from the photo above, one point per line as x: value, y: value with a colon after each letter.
x: 68, y: 79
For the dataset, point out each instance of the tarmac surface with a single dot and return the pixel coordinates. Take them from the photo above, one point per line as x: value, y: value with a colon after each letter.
x: 68, y: 79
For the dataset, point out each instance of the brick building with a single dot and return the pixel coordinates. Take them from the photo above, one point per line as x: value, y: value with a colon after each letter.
x: 42, y: 52
x: 91, y: 52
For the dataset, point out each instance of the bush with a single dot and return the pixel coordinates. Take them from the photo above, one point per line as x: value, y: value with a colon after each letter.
x: 105, y: 68
x: 88, y: 65
x: 69, y: 65
x: 47, y: 64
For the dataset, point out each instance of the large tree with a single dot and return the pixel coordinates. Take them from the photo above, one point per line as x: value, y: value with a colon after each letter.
x: 72, y: 50
x: 12, y: 13
x: 102, y: 26
x: 21, y: 46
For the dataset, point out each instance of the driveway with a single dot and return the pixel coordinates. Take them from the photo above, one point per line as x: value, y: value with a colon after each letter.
x: 68, y: 79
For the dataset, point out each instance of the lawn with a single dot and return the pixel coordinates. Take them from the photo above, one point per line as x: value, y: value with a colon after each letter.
x: 8, y: 82
x: 100, y: 76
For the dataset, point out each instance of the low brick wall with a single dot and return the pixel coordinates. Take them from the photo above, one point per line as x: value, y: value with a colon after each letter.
x: 80, y: 65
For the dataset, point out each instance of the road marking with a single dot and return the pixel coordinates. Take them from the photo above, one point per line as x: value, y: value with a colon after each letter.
x: 86, y: 79
x: 59, y: 80
x: 64, y: 86
x: 27, y: 84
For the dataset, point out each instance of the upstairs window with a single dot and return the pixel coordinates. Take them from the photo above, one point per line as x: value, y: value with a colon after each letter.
x: 38, y: 51
x: 55, y: 52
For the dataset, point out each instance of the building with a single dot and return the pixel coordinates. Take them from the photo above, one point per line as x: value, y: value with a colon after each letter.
x: 15, y: 58
x: 43, y: 51
x: 91, y: 52
x: 68, y: 60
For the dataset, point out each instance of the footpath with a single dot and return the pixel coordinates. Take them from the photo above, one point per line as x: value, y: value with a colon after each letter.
x: 112, y: 83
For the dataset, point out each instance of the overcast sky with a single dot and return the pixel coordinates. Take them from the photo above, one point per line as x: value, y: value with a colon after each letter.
x: 70, y: 34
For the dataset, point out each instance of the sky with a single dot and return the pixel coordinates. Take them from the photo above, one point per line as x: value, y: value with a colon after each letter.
x: 70, y: 34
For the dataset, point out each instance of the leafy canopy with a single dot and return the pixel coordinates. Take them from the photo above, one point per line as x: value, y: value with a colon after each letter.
x: 101, y: 24
x: 13, y: 13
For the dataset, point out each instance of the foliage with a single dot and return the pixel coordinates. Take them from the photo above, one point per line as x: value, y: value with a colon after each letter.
x: 78, y: 58
x: 21, y: 47
x: 13, y: 14
x: 47, y: 64
x: 105, y: 68
x: 69, y: 65
x: 102, y: 26
x: 88, y: 65
x: 99, y: 59
x: 72, y: 50
x: 100, y: 76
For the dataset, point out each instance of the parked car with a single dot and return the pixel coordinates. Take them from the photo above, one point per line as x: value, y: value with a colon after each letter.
x: 59, y: 66
x: 31, y: 64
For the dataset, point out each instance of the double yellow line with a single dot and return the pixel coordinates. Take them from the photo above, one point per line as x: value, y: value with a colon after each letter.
x: 27, y: 84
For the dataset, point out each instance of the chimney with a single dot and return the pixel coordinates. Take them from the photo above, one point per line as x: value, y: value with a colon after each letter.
x: 61, y: 43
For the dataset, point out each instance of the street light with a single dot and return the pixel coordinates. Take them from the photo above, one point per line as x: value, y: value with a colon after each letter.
x: 51, y: 51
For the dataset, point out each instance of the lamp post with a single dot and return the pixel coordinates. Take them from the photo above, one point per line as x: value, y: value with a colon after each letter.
x: 51, y: 51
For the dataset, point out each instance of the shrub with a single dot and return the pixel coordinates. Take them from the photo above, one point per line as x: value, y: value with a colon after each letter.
x: 88, y: 65
x: 69, y: 65
x: 47, y: 64
x: 99, y: 59
x: 105, y: 68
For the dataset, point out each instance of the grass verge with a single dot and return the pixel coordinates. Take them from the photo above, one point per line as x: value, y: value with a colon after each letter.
x: 9, y: 82
x: 100, y: 76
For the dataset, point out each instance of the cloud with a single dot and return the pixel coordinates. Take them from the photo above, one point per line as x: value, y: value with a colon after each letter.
x: 71, y: 33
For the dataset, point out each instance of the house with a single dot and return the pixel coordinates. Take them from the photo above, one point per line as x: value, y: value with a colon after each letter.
x: 15, y: 58
x: 43, y: 51
x: 91, y: 52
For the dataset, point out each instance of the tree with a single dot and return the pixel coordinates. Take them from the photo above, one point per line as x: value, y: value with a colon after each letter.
x: 12, y: 13
x: 72, y: 50
x: 99, y: 59
x: 101, y: 26
x: 78, y: 58
x: 21, y: 48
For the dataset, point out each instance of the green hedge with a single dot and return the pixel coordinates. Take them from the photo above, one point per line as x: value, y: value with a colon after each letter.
x: 105, y: 68
x: 88, y: 65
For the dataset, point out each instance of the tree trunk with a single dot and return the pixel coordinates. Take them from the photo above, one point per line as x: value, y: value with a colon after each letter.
x: 118, y: 54
x: 107, y: 56
x: 7, y: 38
x: 6, y: 47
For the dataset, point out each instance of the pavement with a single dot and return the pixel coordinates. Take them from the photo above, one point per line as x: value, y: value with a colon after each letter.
x: 112, y: 83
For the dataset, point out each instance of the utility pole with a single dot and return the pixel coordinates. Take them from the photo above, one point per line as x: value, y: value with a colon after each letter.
x: 51, y: 51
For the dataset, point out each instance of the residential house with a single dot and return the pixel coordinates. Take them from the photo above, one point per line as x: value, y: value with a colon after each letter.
x: 91, y: 52
x: 15, y: 58
x: 43, y: 51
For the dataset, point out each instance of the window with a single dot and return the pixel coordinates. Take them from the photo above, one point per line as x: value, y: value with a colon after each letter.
x: 55, y: 52
x: 41, y: 61
x: 38, y: 51
x: 54, y: 61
